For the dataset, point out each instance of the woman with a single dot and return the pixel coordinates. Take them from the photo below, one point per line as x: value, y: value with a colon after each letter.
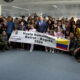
x: 76, y: 31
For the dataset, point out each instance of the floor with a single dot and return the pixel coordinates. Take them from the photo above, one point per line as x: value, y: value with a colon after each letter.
x: 23, y: 65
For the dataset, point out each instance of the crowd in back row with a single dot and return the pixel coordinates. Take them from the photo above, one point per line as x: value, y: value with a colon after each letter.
x: 63, y: 28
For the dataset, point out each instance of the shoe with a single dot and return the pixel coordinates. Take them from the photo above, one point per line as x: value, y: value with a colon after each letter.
x: 3, y: 50
x: 53, y: 51
x: 50, y: 51
x: 78, y: 60
x: 30, y: 51
x: 46, y: 50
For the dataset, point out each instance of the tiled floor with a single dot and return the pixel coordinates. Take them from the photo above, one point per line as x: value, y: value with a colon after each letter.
x: 23, y: 65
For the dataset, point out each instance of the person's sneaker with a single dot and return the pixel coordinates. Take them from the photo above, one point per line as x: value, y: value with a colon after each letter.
x: 30, y: 51
x: 78, y: 60
x: 53, y: 51
x: 50, y: 51
x: 7, y: 48
x: 3, y: 50
x: 46, y: 50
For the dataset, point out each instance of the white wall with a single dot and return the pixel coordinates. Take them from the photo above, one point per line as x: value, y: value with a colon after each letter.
x: 0, y: 10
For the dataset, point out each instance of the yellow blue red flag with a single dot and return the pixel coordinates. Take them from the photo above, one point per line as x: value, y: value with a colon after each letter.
x: 62, y: 44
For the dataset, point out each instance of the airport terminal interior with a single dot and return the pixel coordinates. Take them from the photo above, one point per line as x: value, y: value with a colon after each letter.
x: 43, y: 62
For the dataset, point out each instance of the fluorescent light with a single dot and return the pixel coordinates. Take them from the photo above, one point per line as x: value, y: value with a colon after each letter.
x: 20, y: 8
x: 55, y: 6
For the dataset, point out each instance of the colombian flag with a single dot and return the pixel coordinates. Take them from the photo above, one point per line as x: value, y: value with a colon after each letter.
x: 62, y: 44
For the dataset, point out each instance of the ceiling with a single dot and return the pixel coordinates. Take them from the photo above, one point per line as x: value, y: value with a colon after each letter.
x: 56, y: 8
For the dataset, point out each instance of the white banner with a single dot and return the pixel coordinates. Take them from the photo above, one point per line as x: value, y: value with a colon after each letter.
x: 38, y: 38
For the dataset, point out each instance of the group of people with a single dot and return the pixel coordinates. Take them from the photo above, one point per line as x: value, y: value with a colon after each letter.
x: 60, y: 28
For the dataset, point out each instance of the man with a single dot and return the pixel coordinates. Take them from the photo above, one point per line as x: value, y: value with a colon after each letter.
x: 41, y: 25
x: 10, y: 27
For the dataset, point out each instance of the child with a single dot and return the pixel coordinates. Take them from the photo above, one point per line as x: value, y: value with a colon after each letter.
x: 48, y: 32
x: 56, y: 32
x: 52, y: 34
x: 32, y: 30
x: 4, y: 38
x: 23, y: 28
x: 61, y: 34
x: 67, y: 33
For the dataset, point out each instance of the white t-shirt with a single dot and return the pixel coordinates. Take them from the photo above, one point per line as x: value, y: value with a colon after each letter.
x: 32, y: 30
x: 55, y: 33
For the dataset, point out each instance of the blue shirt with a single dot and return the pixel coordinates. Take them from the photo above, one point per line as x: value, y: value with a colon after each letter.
x: 10, y: 27
x: 24, y: 28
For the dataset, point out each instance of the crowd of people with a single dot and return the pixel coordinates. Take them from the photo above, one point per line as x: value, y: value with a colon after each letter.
x: 62, y: 28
